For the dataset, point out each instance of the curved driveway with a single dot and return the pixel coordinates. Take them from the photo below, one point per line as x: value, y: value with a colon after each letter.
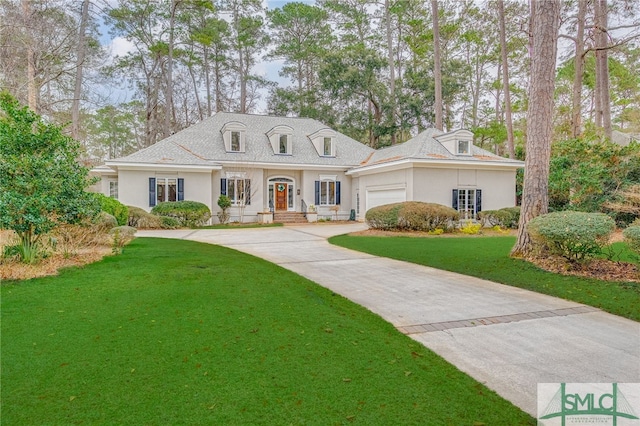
x: 508, y: 338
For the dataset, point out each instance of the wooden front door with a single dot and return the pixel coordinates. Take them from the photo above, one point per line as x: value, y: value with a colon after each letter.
x: 281, y: 196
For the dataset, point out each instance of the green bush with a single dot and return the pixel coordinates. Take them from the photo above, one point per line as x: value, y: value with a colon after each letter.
x: 572, y: 235
x: 632, y: 237
x: 139, y: 218
x: 115, y: 208
x: 504, y: 218
x: 188, y: 213
x: 105, y: 221
x: 168, y: 222
x: 411, y: 215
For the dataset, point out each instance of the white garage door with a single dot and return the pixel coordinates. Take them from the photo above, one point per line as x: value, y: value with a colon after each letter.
x: 385, y: 196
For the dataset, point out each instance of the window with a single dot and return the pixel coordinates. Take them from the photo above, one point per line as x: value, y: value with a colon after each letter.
x: 327, y: 192
x: 468, y: 202
x: 327, y: 147
x: 237, y: 189
x: 113, y: 189
x: 235, y: 141
x: 165, y: 189
x: 464, y: 147
x: 283, y: 147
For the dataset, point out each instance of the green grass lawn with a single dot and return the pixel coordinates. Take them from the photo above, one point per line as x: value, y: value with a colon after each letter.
x: 177, y: 332
x: 488, y: 258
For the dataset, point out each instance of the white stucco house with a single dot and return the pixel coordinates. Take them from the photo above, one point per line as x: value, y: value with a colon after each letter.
x: 283, y: 164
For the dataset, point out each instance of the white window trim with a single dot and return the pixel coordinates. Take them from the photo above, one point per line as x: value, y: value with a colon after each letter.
x: 327, y: 182
x: 235, y: 179
x: 466, y: 209
x: 113, y: 188
x: 458, y: 147
x: 164, y: 181
x: 228, y: 129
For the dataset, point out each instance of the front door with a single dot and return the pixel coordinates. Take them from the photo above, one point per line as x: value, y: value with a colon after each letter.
x: 281, y: 196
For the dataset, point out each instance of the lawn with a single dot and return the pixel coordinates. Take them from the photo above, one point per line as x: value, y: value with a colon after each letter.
x: 178, y: 332
x: 488, y: 258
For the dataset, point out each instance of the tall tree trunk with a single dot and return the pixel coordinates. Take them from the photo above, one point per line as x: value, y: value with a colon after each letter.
x: 505, y: 81
x: 32, y: 94
x: 603, y: 98
x: 207, y: 78
x: 392, y: 72
x: 535, y: 199
x: 77, y: 91
x: 169, y: 110
x: 437, y: 71
x: 576, y: 101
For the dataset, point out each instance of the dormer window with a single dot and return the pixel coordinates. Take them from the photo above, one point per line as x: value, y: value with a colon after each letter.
x: 234, y: 136
x: 328, y: 147
x: 324, y: 141
x: 281, y: 138
x: 235, y: 141
x: 283, y: 146
x: 464, y: 147
x: 458, y: 142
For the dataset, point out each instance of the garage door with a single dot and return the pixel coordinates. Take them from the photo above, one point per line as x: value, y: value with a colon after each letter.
x: 385, y: 196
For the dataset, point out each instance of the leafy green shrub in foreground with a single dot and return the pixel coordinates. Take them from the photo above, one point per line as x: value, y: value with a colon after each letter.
x: 572, y: 235
x: 115, y: 208
x: 139, y: 218
x: 188, y: 213
x: 411, y: 215
x: 632, y: 237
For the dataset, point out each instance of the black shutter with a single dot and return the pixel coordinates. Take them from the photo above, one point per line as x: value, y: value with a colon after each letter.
x: 337, y: 192
x: 454, y: 199
x: 317, y: 193
x: 247, y: 191
x: 180, y: 189
x: 152, y: 192
x: 223, y: 186
x: 478, y: 200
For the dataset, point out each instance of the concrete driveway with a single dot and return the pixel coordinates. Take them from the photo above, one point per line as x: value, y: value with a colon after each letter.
x: 507, y: 338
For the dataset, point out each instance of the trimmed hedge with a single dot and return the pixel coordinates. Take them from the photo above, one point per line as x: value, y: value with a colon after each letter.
x: 412, y: 216
x: 115, y: 208
x: 572, y: 235
x: 504, y: 218
x: 187, y: 213
x: 140, y: 218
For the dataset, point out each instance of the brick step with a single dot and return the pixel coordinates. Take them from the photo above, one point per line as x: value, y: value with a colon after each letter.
x: 289, y: 217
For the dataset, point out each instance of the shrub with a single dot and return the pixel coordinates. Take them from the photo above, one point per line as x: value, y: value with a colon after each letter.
x: 168, y: 222
x: 105, y: 221
x: 114, y: 208
x: 411, y: 215
x: 506, y: 218
x: 188, y: 213
x: 632, y: 237
x: 470, y: 228
x: 139, y: 218
x: 224, y: 203
x: 572, y: 235
x: 120, y: 237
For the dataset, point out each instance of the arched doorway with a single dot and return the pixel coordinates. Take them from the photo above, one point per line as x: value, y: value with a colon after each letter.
x: 281, y: 194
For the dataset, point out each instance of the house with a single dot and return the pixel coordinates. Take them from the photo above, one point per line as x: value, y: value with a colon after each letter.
x: 284, y: 164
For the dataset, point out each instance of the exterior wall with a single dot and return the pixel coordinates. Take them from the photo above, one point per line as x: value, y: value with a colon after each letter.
x: 436, y: 185
x: 308, y: 191
x: 133, y: 187
x: 258, y: 194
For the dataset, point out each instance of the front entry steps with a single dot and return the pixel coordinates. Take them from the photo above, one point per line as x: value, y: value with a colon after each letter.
x: 289, y: 217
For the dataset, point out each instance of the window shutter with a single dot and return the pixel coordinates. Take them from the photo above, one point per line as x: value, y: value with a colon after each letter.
x: 478, y: 200
x: 337, y: 192
x: 247, y: 191
x: 180, y: 189
x: 317, y: 193
x: 152, y: 192
x: 223, y: 186
x: 454, y: 199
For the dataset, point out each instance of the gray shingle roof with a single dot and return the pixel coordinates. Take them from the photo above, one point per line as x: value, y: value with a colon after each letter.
x: 424, y: 146
x: 202, y: 144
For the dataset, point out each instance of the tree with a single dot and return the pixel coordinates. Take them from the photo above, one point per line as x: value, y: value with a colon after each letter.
x: 41, y: 183
x: 437, y: 68
x: 505, y: 80
x: 545, y: 16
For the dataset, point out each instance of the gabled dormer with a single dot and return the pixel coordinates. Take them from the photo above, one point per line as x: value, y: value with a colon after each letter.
x: 324, y: 141
x: 281, y: 139
x: 234, y: 135
x: 459, y: 142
